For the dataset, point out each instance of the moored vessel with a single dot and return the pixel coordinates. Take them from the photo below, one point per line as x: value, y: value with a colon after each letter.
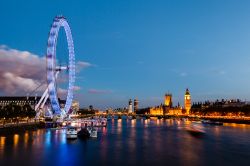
x: 71, y: 133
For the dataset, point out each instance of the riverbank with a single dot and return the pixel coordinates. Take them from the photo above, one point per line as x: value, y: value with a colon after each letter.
x: 245, y: 120
x: 228, y: 120
x: 21, y: 127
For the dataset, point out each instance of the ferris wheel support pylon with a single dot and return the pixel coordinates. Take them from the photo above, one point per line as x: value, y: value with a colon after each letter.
x: 40, y: 105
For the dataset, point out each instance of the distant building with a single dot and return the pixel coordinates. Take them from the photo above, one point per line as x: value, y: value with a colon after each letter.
x: 109, y: 111
x: 130, y: 106
x: 233, y: 103
x: 168, y: 100
x: 175, y: 111
x: 75, y: 106
x: 167, y: 108
x: 19, y: 100
x: 156, y: 110
x: 23, y: 100
x: 136, y: 105
x: 187, y: 102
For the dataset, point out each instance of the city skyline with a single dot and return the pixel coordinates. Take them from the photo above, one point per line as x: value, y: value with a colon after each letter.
x: 132, y: 50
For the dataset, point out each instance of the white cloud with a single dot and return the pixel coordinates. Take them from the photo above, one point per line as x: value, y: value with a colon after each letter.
x: 84, y: 64
x: 22, y: 71
x: 76, y: 88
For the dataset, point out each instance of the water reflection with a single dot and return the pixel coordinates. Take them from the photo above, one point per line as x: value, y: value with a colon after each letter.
x: 239, y: 126
x: 119, y: 126
x: 133, y: 122
x: 16, y: 139
x: 48, y: 138
x: 132, y: 142
x: 26, y: 139
x: 146, y: 123
x: 2, y: 145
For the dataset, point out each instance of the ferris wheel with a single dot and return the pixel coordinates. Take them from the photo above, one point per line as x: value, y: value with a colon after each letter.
x: 54, y: 69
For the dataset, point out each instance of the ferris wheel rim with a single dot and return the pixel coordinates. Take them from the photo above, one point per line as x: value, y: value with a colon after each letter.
x: 59, y: 21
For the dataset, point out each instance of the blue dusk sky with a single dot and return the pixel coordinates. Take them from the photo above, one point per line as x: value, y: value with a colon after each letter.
x: 131, y: 49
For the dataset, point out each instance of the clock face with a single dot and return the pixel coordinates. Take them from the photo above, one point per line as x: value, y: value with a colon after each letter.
x: 188, y: 97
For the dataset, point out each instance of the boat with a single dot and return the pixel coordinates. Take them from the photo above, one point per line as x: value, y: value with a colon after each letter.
x: 92, y: 132
x: 71, y: 133
x: 212, y: 122
x: 195, y: 130
x: 159, y: 117
x: 109, y: 118
x: 83, y: 133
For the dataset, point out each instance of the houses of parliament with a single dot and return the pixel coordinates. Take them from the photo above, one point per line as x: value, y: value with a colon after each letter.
x: 168, y: 109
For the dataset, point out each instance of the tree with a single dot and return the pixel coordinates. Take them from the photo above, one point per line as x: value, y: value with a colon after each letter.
x: 91, y: 107
x: 1, y: 112
x: 29, y: 112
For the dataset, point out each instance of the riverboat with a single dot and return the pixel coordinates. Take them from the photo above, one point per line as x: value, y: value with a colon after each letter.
x: 71, y: 133
x: 195, y: 129
x: 92, y: 132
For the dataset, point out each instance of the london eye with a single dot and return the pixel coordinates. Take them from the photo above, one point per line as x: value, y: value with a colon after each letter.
x: 53, y: 69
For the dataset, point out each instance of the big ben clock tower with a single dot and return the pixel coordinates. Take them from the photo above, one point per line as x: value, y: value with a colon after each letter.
x: 187, y: 102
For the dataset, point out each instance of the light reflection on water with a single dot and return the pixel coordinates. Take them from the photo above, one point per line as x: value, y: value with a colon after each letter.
x: 131, y: 142
x: 2, y: 145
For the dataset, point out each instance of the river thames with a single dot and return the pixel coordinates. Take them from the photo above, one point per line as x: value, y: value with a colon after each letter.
x: 131, y: 142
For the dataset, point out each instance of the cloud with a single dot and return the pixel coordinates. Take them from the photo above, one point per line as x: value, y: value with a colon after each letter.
x: 98, y: 91
x: 14, y: 84
x: 21, y: 72
x: 218, y: 71
x: 76, y: 88
x: 183, y: 74
x: 222, y: 72
x: 62, y: 93
x: 82, y: 64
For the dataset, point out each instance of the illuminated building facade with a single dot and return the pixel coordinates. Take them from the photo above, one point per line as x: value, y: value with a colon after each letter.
x: 24, y: 100
x: 175, y: 111
x: 130, y: 106
x: 156, y: 110
x: 136, y: 105
x: 75, y: 106
x: 20, y: 100
x: 187, y: 101
x: 167, y: 108
x: 168, y: 100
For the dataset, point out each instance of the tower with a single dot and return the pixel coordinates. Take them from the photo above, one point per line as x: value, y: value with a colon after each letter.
x: 168, y: 100
x: 187, y: 101
x: 136, y: 105
x: 130, y: 106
